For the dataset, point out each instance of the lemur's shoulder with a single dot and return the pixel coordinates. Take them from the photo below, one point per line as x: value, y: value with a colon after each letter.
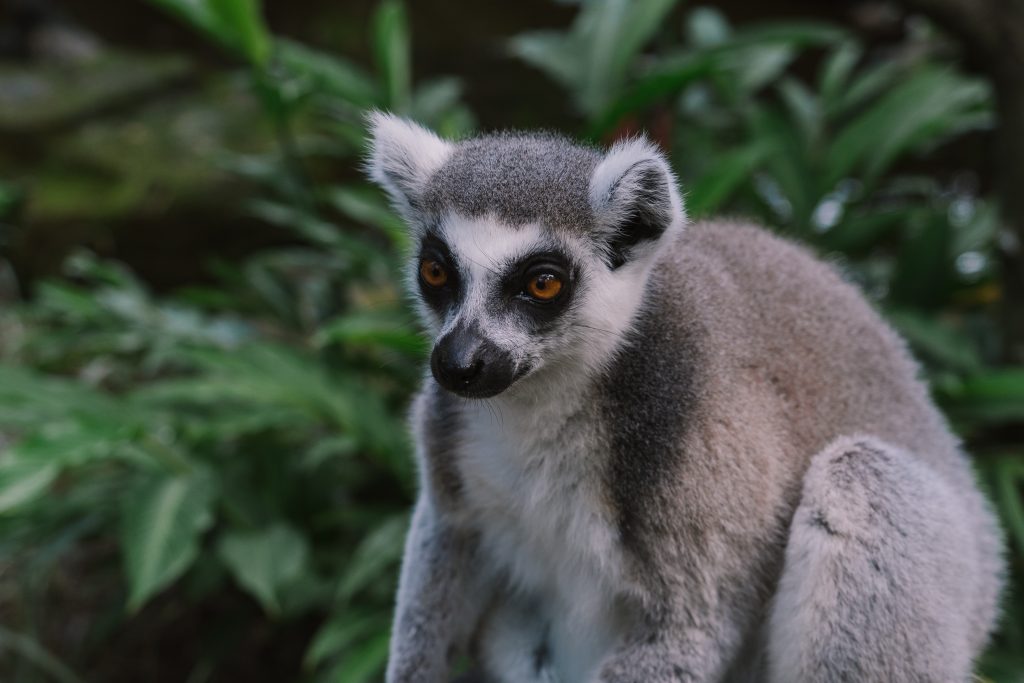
x: 750, y: 252
x: 778, y: 314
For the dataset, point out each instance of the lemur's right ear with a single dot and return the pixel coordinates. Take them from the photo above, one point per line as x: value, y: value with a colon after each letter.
x: 634, y: 197
x: 402, y: 157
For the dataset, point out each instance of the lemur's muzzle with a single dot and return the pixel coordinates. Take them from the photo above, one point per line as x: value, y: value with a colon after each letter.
x: 470, y: 365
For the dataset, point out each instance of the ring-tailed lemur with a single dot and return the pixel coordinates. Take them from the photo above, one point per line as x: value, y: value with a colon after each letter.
x: 656, y: 452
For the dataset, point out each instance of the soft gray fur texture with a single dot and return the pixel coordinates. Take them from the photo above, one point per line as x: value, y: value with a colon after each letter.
x: 716, y: 462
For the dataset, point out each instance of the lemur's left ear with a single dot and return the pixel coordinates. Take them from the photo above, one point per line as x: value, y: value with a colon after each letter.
x: 634, y: 197
x: 402, y: 157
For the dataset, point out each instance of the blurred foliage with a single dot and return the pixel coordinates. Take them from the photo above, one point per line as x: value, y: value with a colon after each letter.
x: 249, y: 435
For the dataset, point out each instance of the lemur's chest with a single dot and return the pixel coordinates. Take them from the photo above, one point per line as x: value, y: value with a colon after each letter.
x: 536, y: 493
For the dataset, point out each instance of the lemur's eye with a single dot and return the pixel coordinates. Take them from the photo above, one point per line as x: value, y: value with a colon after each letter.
x: 544, y: 287
x: 433, y: 273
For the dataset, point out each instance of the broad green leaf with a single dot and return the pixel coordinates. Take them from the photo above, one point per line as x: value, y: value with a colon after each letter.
x: 594, y: 56
x: 937, y: 342
x: 804, y: 109
x: 161, y: 525
x: 339, y: 633
x: 241, y: 20
x: 265, y: 562
x: 794, y: 34
x: 374, y: 328
x: 666, y: 79
x: 551, y: 52
x: 623, y: 29
x: 862, y: 229
x: 329, y: 74
x: 366, y: 663
x: 380, y: 549
x: 235, y: 24
x: 929, y: 105
x: 836, y: 73
x: 924, y: 275
x: 1010, y: 494
x: 434, y: 101
x: 726, y: 174
x: 866, y: 85
x: 788, y: 164
x: 367, y: 207
x: 24, y: 482
x: 991, y: 397
x: 392, y: 47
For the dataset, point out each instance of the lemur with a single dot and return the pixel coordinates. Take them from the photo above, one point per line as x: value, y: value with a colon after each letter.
x: 653, y: 450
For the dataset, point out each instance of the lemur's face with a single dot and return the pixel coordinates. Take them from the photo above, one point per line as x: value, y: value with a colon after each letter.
x: 501, y: 300
x: 530, y: 253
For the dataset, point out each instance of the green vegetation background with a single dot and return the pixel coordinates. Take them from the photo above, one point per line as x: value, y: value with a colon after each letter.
x: 211, y: 483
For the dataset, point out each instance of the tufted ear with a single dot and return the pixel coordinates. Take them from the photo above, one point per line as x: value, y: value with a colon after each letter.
x: 634, y: 197
x: 402, y: 157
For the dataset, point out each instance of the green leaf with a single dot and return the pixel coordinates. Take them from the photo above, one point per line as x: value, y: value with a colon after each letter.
x: 161, y: 524
x: 339, y: 633
x: 937, y: 342
x: 328, y: 74
x: 551, y: 52
x: 235, y: 24
x: 929, y: 105
x: 1009, y: 476
x: 375, y: 328
x: 366, y: 206
x: 23, y: 482
x: 992, y: 397
x: 265, y: 562
x: 668, y: 78
x: 594, y: 56
x: 241, y: 20
x: 391, y: 48
x: 726, y: 174
x: 380, y: 549
x: 366, y: 663
x: 804, y: 109
x: 836, y: 73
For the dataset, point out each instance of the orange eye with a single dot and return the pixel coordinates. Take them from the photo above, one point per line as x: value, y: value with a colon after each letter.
x: 433, y: 273
x: 544, y: 287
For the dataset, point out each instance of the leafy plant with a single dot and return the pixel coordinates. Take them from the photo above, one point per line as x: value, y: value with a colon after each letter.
x: 248, y: 434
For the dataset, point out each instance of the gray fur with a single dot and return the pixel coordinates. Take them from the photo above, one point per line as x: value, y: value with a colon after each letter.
x: 740, y: 480
x: 518, y: 178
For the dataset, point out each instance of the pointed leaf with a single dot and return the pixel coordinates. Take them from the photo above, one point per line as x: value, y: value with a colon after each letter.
x: 161, y: 525
x: 265, y: 562
x: 23, y: 482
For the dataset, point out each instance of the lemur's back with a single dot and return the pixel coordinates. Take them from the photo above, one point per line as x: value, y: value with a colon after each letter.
x: 798, y: 352
x: 787, y: 322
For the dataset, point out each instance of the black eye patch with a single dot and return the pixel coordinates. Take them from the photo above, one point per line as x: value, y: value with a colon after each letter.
x: 440, y: 298
x: 540, y: 286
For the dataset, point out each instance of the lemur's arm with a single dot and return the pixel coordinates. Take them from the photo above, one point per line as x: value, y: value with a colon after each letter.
x: 437, y: 604
x: 695, y: 622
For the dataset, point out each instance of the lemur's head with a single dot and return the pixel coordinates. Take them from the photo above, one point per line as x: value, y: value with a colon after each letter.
x: 530, y: 252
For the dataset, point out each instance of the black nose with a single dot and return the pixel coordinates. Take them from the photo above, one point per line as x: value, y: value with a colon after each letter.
x: 468, y: 364
x: 458, y: 358
x: 459, y: 370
